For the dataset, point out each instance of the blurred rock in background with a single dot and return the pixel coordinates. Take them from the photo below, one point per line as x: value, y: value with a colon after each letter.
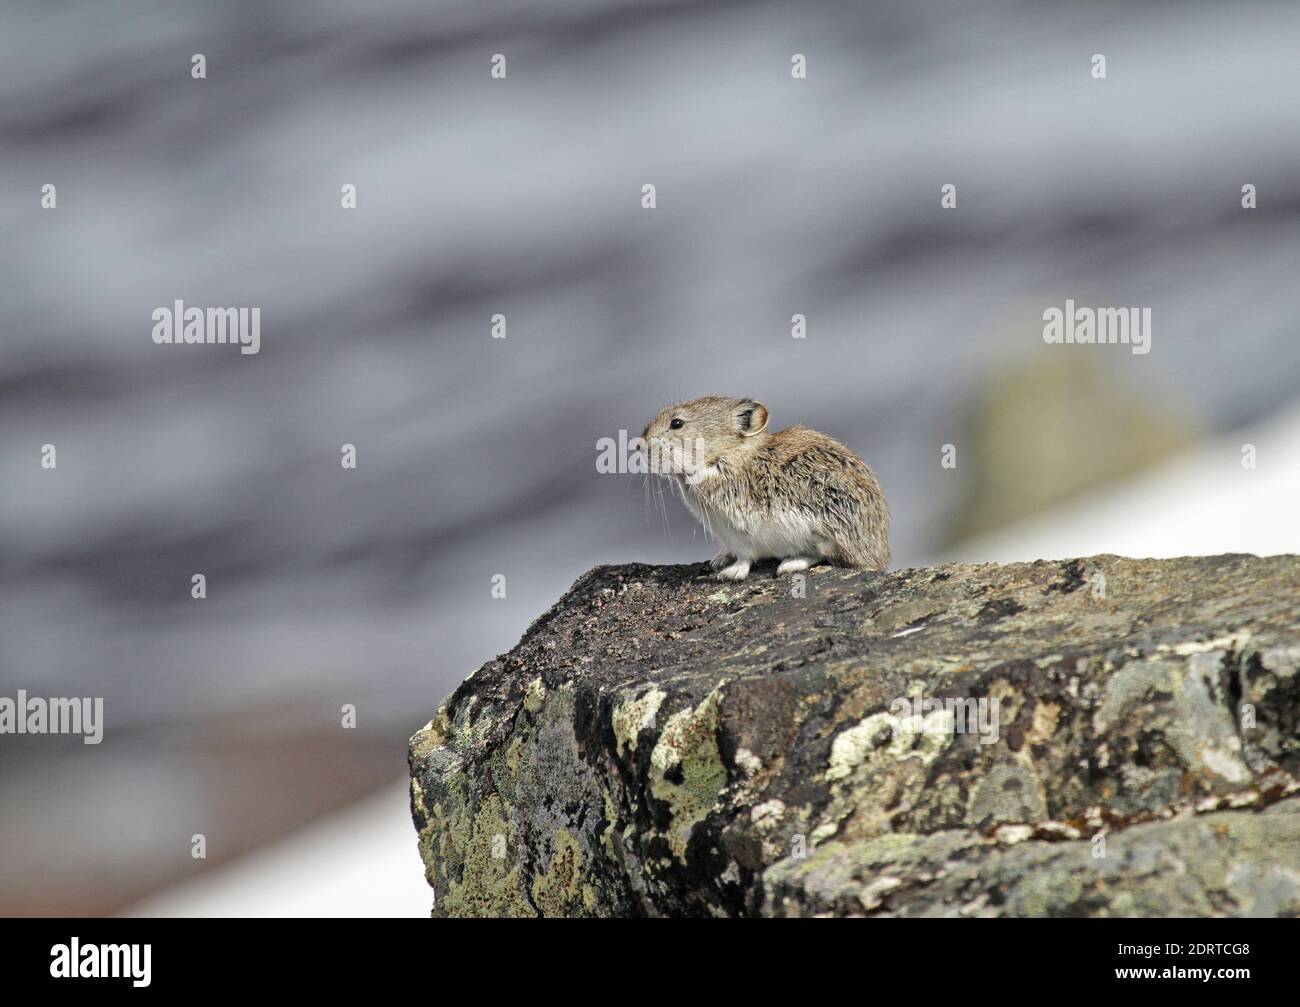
x: 1053, y: 427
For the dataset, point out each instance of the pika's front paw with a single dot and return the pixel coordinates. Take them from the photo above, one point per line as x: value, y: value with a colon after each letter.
x: 722, y: 559
x: 738, y: 570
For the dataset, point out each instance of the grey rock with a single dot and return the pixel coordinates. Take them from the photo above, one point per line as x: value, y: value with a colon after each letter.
x: 661, y: 744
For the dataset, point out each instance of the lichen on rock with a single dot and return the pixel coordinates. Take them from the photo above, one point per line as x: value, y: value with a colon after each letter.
x: 659, y: 745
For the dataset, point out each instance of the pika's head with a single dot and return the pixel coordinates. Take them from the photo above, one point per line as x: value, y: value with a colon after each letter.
x: 689, y: 437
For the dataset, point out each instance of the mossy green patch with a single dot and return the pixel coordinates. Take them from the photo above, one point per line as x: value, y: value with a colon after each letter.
x: 558, y: 889
x: 686, y: 769
x: 487, y: 883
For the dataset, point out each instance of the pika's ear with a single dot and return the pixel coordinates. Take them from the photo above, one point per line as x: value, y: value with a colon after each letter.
x: 752, y: 417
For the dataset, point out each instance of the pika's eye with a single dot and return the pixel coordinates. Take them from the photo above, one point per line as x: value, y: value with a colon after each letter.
x: 677, y: 423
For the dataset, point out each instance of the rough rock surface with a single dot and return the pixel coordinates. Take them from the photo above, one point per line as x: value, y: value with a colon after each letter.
x: 659, y: 743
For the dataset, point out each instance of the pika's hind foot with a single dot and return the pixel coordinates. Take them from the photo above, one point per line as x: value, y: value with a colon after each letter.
x: 795, y: 564
x: 738, y: 570
x: 722, y: 559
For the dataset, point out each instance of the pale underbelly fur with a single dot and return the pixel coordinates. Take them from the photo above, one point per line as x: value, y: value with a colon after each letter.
x: 755, y: 537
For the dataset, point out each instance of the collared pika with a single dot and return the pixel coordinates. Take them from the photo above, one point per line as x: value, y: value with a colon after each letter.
x: 796, y: 495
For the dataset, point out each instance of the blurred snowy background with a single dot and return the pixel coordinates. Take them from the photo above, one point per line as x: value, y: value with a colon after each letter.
x: 476, y: 456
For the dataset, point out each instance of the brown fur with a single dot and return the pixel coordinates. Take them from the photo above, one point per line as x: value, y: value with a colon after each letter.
x: 793, y: 493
